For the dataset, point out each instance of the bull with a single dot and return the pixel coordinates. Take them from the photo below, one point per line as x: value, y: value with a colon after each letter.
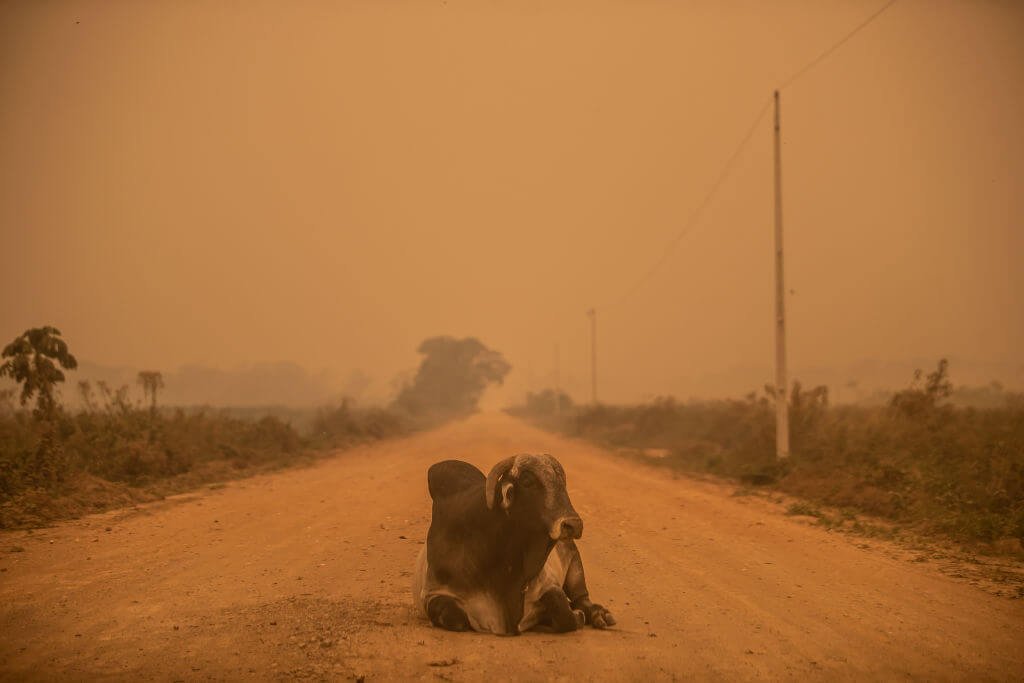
x: 501, y: 555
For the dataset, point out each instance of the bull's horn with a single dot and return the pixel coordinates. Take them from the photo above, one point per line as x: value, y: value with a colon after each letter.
x: 497, y: 472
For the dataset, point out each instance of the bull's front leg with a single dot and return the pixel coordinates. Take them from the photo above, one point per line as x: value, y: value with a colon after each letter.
x: 558, y: 614
x: 579, y: 598
x: 446, y: 613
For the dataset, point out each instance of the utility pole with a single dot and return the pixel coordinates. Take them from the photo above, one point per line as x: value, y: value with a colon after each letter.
x: 781, y: 384
x: 593, y: 355
x: 558, y: 388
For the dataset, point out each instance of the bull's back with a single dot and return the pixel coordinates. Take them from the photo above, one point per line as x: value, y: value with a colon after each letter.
x: 459, y: 559
x: 483, y: 610
x: 445, y: 562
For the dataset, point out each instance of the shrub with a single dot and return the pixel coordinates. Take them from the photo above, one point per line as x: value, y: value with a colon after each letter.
x: 953, y: 470
x: 117, y: 441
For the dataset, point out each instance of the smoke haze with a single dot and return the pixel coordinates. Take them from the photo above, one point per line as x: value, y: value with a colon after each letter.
x: 228, y: 186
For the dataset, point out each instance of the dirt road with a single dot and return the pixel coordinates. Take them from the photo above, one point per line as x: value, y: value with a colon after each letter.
x: 306, y: 573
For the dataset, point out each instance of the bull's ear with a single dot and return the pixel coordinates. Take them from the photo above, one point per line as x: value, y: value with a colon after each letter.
x: 491, y: 485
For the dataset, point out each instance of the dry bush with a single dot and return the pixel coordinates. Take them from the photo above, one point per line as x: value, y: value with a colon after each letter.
x: 918, y: 461
x: 347, y: 424
x: 49, y: 467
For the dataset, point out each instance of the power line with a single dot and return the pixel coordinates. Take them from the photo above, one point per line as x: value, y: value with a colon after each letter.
x: 692, y: 222
x: 835, y: 46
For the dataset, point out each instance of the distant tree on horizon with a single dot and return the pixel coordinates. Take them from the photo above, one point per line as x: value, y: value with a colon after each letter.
x: 452, y: 377
x: 151, y: 382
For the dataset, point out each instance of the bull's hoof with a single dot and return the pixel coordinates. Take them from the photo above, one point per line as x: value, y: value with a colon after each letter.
x: 558, y: 612
x: 455, y: 620
x: 598, y: 616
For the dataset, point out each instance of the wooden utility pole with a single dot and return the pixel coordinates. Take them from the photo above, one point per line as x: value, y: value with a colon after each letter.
x: 593, y: 355
x: 781, y: 383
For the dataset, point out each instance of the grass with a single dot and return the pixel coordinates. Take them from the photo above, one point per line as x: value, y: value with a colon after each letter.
x: 115, y: 453
x: 805, y: 509
x: 919, y: 462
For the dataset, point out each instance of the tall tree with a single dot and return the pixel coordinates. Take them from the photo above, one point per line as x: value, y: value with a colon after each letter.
x: 30, y: 362
x: 452, y: 377
x: 151, y: 382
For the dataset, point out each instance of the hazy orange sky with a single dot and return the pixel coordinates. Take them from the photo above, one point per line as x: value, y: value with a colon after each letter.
x: 226, y: 183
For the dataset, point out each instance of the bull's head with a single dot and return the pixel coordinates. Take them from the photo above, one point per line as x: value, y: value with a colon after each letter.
x: 531, y: 488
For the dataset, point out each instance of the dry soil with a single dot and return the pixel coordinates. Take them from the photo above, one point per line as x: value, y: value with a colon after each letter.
x: 306, y: 573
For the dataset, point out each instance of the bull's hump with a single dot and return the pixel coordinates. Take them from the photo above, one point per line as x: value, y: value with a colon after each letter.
x: 449, y: 477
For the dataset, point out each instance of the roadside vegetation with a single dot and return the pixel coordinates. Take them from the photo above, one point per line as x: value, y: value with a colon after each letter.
x: 919, y: 462
x: 122, y: 448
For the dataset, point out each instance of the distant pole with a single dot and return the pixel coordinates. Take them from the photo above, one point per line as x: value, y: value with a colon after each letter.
x: 593, y: 355
x: 781, y: 385
x: 558, y: 389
